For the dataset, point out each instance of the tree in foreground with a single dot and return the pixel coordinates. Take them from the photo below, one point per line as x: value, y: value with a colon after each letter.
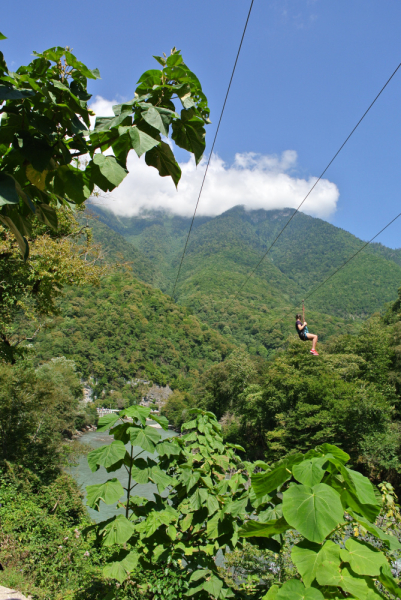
x: 204, y: 507
x: 49, y: 156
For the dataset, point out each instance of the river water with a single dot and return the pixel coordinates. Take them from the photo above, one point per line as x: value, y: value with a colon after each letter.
x: 84, y: 476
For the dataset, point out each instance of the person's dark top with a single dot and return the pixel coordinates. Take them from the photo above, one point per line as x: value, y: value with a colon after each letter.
x: 300, y: 332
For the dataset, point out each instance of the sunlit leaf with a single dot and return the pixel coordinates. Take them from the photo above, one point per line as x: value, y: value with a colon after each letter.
x: 313, y: 511
x: 109, y: 492
x: 293, y: 589
x: 117, y: 531
x: 106, y: 456
x: 146, y: 438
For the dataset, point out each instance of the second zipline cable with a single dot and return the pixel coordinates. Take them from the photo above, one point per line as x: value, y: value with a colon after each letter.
x: 314, y: 185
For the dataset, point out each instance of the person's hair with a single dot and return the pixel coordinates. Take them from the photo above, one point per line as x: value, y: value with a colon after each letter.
x: 298, y: 317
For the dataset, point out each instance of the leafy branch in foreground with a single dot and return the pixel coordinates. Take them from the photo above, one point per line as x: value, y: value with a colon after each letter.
x: 45, y: 130
x: 204, y: 506
x: 200, y: 515
x: 319, y: 497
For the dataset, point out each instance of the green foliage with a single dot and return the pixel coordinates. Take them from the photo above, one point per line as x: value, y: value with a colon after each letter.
x: 42, y: 550
x: 126, y: 330
x: 329, y: 560
x: 349, y: 397
x: 45, y: 129
x: 29, y: 290
x: 38, y: 408
x: 176, y: 408
x: 200, y: 515
x: 224, y: 249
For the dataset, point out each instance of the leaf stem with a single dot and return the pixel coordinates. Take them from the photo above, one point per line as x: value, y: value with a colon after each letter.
x: 129, y: 483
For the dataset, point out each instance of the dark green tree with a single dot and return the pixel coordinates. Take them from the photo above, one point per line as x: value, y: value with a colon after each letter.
x: 49, y: 156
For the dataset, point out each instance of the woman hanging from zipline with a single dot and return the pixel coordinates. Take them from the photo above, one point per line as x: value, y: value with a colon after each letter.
x: 302, y: 331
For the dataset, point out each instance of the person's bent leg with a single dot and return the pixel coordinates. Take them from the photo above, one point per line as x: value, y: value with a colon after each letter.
x: 312, y: 337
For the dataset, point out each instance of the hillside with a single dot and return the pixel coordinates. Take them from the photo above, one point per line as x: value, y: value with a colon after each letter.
x: 224, y: 249
x: 125, y: 330
x: 116, y: 250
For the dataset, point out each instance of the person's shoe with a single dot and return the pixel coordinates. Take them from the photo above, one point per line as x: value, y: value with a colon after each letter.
x: 314, y: 353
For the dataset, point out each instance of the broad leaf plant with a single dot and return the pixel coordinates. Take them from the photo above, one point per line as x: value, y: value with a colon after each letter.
x: 202, y: 494
x: 51, y: 157
x: 319, y: 497
x: 209, y: 502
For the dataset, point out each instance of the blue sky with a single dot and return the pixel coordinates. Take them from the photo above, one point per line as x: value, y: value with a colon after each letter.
x: 307, y: 72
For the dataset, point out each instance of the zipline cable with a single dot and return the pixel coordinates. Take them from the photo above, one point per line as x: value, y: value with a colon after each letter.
x: 338, y: 269
x: 214, y: 141
x: 313, y: 187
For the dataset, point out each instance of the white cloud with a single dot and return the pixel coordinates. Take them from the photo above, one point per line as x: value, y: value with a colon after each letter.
x: 253, y: 180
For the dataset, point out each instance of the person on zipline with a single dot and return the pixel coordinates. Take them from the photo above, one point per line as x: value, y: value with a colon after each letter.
x: 304, y: 334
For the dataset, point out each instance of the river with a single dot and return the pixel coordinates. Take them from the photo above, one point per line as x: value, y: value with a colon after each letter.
x: 84, y: 476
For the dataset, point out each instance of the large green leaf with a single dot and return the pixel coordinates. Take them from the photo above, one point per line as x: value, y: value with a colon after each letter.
x: 158, y: 117
x: 190, y: 135
x: 168, y: 448
x: 120, y: 569
x: 140, y: 471
x: 21, y: 239
x: 339, y: 454
x: 198, y: 498
x: 140, y: 141
x: 272, y: 593
x: 390, y: 540
x: 162, y: 158
x: 313, y: 511
x: 363, y: 558
x: 155, y: 520
x: 107, y: 421
x: 350, y: 501
x: 73, y: 183
x: 264, y: 483
x: 117, y: 531
x: 106, y: 456
x: 329, y: 574
x: 257, y: 529
x: 8, y: 193
x: 236, y: 507
x: 162, y: 421
x: 361, y: 486
x: 146, y: 438
x: 11, y: 93
x: 110, y: 492
x: 293, y: 589
x: 305, y: 556
x: 213, y: 586
x: 309, y: 472
x: 386, y: 578
x: 160, y: 478
x: 212, y: 504
x: 107, y: 173
x: 139, y: 413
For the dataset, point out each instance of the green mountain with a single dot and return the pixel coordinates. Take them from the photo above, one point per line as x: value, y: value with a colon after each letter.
x: 125, y: 330
x: 223, y: 250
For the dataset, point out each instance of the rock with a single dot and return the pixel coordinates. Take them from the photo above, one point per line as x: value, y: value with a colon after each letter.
x: 7, y: 594
x: 157, y: 395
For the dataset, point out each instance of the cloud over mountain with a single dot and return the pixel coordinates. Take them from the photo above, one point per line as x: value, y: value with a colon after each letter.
x: 253, y: 180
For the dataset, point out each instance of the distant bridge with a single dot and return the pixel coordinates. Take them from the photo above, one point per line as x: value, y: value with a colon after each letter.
x: 106, y: 411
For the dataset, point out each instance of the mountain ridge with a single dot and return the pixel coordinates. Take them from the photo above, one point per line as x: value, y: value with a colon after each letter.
x: 223, y: 251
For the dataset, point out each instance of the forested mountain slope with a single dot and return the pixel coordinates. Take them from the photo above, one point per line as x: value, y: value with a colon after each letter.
x: 126, y: 329
x: 224, y: 249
